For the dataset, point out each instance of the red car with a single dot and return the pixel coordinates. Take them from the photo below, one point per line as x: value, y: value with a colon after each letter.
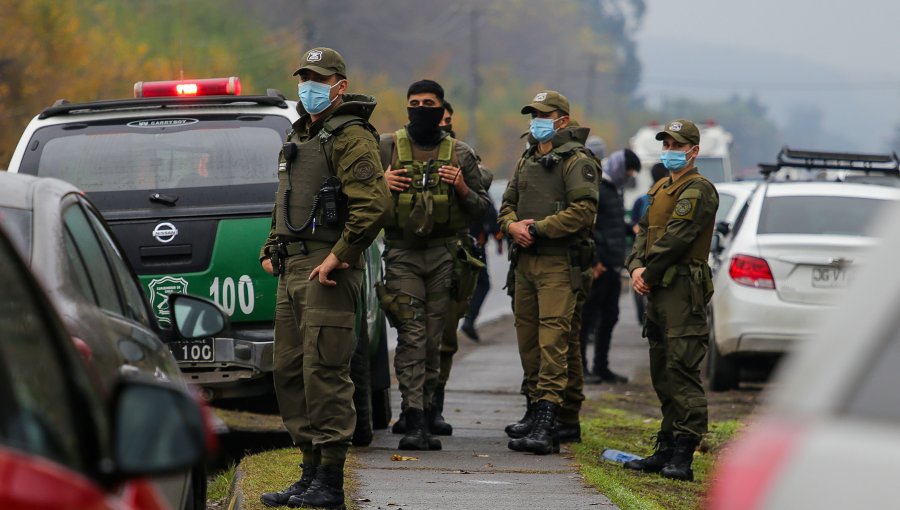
x: 63, y: 445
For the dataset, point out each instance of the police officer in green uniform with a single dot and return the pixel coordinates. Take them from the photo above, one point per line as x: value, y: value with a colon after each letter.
x: 668, y: 265
x: 437, y: 190
x: 548, y: 210
x: 330, y: 205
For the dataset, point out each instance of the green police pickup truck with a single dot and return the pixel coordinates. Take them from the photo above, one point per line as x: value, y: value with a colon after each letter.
x: 185, y: 174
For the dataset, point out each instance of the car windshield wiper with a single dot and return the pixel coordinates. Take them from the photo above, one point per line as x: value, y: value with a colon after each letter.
x: 162, y: 198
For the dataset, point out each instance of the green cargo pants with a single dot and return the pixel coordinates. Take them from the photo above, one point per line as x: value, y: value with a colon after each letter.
x: 544, y: 305
x: 424, y: 276
x: 574, y: 395
x: 314, y: 341
x: 449, y: 339
x: 677, y: 329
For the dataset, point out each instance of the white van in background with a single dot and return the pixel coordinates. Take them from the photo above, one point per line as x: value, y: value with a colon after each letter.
x: 714, y: 161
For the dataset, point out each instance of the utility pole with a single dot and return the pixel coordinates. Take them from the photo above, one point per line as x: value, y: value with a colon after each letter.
x: 590, y: 83
x: 474, y: 21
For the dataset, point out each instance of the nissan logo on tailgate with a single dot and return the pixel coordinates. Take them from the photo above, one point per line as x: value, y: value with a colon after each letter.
x: 165, y: 232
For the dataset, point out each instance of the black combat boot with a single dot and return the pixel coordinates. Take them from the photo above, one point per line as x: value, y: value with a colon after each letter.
x: 399, y: 426
x: 417, y: 436
x: 665, y: 447
x: 281, y: 498
x: 543, y: 438
x: 679, y: 466
x: 569, y: 432
x: 436, y: 423
x: 326, y: 491
x: 522, y: 427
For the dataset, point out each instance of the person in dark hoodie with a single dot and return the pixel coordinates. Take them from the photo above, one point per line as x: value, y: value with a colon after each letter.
x: 601, y: 310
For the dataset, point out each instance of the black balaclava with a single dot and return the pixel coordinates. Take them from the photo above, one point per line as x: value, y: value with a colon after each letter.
x: 423, y: 124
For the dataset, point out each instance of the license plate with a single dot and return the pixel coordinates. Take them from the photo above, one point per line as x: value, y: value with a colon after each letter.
x: 827, y: 277
x: 195, y: 350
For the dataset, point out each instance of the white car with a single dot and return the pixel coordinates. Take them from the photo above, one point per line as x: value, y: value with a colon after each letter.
x: 792, y: 254
x: 733, y: 198
x: 829, y: 437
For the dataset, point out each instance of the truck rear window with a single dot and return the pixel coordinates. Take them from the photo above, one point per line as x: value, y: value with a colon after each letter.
x: 160, y: 154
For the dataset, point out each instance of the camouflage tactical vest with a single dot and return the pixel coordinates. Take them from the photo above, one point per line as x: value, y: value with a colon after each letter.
x: 662, y: 205
x: 428, y: 199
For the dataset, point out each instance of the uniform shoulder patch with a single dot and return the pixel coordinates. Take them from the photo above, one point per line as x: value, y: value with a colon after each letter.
x: 587, y: 171
x: 683, y: 207
x: 363, y: 170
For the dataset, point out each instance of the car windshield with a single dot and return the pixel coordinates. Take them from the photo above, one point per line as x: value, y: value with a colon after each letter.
x: 17, y: 223
x: 712, y: 168
x: 818, y: 215
x: 726, y: 202
x: 157, y: 155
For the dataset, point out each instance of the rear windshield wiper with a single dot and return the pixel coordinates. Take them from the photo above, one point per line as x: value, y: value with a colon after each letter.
x: 162, y: 198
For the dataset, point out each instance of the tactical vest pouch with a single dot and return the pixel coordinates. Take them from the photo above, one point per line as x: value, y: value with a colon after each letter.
x: 421, y: 216
x: 575, y: 277
x: 440, y: 208
x: 466, y: 267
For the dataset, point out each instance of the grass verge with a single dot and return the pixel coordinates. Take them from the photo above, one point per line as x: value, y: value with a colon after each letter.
x: 218, y: 487
x: 631, y: 490
x: 276, y: 469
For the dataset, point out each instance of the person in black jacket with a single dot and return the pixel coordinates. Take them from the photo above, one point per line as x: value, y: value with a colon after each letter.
x: 601, y: 310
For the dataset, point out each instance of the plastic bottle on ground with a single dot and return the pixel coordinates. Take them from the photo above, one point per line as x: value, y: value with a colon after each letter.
x: 619, y: 456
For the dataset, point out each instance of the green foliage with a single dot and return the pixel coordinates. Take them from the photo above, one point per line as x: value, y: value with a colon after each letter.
x: 84, y: 51
x: 96, y: 49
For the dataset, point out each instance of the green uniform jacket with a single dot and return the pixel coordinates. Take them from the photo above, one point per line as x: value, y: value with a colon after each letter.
x: 681, y: 230
x: 579, y: 214
x: 368, y: 197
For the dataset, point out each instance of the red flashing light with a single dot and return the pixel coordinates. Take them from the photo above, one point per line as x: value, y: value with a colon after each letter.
x: 710, y: 122
x: 751, y: 271
x: 174, y: 88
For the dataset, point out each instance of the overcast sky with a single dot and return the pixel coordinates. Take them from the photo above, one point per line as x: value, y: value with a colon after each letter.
x: 840, y: 57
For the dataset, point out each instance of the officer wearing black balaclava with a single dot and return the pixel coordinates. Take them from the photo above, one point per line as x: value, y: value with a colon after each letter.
x: 437, y: 191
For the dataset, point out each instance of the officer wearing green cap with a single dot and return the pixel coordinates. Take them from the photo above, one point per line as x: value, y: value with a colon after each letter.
x: 329, y: 207
x: 668, y: 265
x: 548, y: 210
x: 437, y: 189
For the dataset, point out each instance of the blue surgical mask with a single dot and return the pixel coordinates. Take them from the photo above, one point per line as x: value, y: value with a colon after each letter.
x: 674, y: 160
x: 542, y: 129
x: 315, y: 96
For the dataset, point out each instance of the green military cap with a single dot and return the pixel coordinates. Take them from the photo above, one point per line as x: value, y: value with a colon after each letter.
x: 546, y: 101
x: 682, y: 130
x: 324, y: 61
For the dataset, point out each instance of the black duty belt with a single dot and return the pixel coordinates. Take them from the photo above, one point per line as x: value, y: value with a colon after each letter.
x: 302, y: 247
x: 418, y: 244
